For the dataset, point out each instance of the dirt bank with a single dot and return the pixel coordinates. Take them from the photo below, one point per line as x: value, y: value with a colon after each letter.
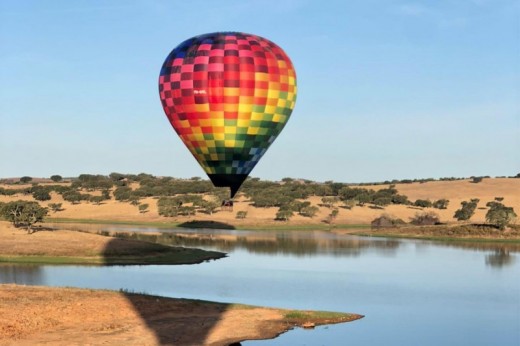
x: 69, y: 316
x: 69, y: 247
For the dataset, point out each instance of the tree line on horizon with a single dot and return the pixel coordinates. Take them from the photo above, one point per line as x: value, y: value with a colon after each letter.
x: 137, y: 177
x: 183, y: 197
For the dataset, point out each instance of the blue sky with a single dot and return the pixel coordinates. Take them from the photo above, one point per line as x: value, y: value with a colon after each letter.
x: 387, y: 89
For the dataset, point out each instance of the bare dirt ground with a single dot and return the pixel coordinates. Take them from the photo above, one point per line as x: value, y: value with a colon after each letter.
x: 69, y: 316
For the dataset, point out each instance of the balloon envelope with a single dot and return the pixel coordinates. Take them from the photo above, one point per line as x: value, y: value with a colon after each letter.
x: 228, y: 95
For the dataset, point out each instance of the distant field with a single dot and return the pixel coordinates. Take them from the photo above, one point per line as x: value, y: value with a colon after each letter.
x: 454, y: 191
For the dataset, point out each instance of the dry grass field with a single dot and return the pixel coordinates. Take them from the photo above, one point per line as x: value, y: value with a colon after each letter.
x: 65, y: 246
x: 66, y: 316
x: 32, y: 315
x: 454, y: 191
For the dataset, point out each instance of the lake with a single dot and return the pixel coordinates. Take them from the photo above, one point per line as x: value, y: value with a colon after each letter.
x: 411, y: 292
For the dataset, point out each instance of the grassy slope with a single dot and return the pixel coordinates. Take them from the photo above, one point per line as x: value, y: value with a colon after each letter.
x: 68, y: 247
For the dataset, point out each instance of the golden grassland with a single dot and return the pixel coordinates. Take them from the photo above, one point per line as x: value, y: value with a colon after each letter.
x: 32, y: 315
x: 63, y: 316
x: 454, y: 191
x: 70, y: 247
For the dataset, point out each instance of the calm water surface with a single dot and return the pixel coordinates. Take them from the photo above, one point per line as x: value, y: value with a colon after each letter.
x: 412, y: 292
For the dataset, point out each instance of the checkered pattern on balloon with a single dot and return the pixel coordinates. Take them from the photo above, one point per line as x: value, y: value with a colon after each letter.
x: 228, y: 95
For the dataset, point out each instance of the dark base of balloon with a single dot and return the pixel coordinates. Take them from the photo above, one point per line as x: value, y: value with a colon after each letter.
x: 233, y: 181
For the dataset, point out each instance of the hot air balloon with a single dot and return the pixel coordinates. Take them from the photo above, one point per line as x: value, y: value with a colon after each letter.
x: 228, y: 95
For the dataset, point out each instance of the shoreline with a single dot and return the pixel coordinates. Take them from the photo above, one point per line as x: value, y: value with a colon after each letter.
x: 208, y: 224
x: 31, y: 315
x: 446, y: 233
x: 63, y: 247
x: 406, y: 232
x: 34, y: 315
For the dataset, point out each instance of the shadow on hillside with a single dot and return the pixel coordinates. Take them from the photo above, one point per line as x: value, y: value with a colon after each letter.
x: 206, y: 224
x: 174, y: 321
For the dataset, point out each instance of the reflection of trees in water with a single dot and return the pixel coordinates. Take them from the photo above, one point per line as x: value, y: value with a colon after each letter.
x: 483, y: 246
x: 269, y: 244
x: 498, y: 254
x: 500, y: 258
x: 21, y: 274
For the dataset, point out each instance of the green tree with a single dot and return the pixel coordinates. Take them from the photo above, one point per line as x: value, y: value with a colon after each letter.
x: 350, y: 203
x: 23, y: 213
x: 284, y: 215
x: 186, y: 210
x: 105, y: 194
x: 55, y: 207
x: 241, y: 214
x: 309, y: 211
x: 73, y: 196
x: 329, y: 201
x: 134, y: 200
x: 143, y: 208
x: 25, y: 179
x: 382, y: 201
x: 97, y: 200
x: 41, y: 195
x: 114, y: 176
x: 363, y: 198
x: 270, y: 197
x: 169, y: 207
x: 298, y: 206
x: 423, y: 203
x: 332, y: 216
x: 93, y: 182
x: 56, y: 178
x: 359, y: 194
x: 441, y: 204
x: 123, y: 193
x: 500, y: 215
x: 400, y: 199
x: 476, y: 180
x: 209, y: 207
x: 466, y: 211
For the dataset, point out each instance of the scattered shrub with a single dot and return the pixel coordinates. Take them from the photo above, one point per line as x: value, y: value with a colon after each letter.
x: 55, y: 207
x: 423, y: 203
x: 284, y: 215
x: 386, y: 221
x: 500, y: 215
x: 441, y: 204
x: 143, y: 208
x: 467, y: 210
x: 241, y: 214
x: 425, y: 219
x: 309, y: 211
